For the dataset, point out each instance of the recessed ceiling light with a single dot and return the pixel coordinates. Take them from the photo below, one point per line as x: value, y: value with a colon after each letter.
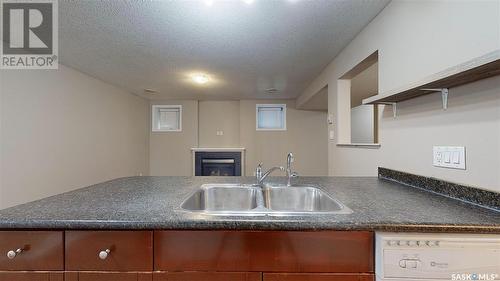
x: 209, y: 2
x: 248, y: 1
x: 200, y: 78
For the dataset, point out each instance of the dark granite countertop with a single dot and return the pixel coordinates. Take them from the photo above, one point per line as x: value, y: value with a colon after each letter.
x: 154, y: 203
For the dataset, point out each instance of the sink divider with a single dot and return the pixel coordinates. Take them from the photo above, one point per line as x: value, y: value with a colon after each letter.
x: 261, y: 204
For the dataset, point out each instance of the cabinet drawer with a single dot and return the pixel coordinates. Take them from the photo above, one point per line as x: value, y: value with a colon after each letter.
x: 265, y: 251
x: 31, y: 276
x: 108, y: 276
x: 38, y: 250
x: 317, y: 277
x: 207, y: 276
x: 109, y: 250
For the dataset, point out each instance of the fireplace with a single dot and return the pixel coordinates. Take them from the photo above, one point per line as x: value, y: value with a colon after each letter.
x: 215, y: 163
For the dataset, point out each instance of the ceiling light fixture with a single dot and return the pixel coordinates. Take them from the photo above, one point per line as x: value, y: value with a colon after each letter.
x: 248, y: 1
x: 209, y: 2
x: 150, y: 91
x: 272, y: 91
x: 200, y: 78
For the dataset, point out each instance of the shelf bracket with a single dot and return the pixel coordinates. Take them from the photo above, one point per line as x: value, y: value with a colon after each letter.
x: 394, y: 107
x: 444, y: 95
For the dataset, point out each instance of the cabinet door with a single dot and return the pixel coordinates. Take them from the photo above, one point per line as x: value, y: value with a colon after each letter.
x: 317, y: 277
x: 108, y: 276
x: 31, y: 276
x: 207, y: 276
x: 264, y: 251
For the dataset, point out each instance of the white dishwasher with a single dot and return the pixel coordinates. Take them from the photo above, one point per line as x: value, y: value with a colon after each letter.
x: 436, y: 256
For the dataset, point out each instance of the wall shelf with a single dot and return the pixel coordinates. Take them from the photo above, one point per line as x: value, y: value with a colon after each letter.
x: 476, y: 69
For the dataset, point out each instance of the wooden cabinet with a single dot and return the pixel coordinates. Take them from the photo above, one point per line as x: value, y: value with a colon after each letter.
x: 317, y: 277
x: 207, y: 276
x: 108, y: 276
x: 109, y: 250
x: 187, y: 256
x: 264, y: 251
x: 31, y: 250
x: 31, y: 276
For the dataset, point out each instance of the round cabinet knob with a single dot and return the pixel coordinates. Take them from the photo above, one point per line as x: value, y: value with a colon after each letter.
x: 13, y: 253
x: 104, y: 254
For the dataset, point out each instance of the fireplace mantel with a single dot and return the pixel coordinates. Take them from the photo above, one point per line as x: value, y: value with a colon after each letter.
x: 215, y: 149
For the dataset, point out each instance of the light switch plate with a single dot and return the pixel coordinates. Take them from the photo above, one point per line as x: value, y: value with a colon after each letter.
x: 449, y: 157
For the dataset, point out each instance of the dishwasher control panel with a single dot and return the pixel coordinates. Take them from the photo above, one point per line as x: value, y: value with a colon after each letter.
x: 413, y: 243
x: 415, y: 256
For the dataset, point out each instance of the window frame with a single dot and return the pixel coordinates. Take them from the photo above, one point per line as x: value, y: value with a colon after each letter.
x: 260, y: 105
x: 155, y: 118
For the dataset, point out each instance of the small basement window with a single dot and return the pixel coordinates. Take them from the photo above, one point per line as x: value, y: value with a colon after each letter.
x: 271, y: 117
x: 167, y: 118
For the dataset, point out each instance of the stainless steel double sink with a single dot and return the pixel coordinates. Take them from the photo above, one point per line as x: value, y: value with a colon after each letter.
x: 268, y: 200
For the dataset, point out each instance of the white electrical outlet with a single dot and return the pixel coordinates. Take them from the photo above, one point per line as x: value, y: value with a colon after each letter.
x: 449, y: 157
x: 331, y: 135
x: 220, y: 133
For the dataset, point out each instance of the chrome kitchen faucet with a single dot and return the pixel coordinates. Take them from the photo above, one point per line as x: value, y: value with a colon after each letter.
x: 261, y: 177
x: 289, y: 173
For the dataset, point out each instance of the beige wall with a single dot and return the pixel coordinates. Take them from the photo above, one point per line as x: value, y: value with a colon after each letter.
x: 219, y: 116
x: 363, y: 125
x: 305, y: 136
x: 415, y: 40
x: 364, y: 85
x: 63, y: 130
x: 170, y: 152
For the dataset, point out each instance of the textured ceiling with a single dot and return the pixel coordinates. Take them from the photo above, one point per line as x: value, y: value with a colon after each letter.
x: 245, y: 48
